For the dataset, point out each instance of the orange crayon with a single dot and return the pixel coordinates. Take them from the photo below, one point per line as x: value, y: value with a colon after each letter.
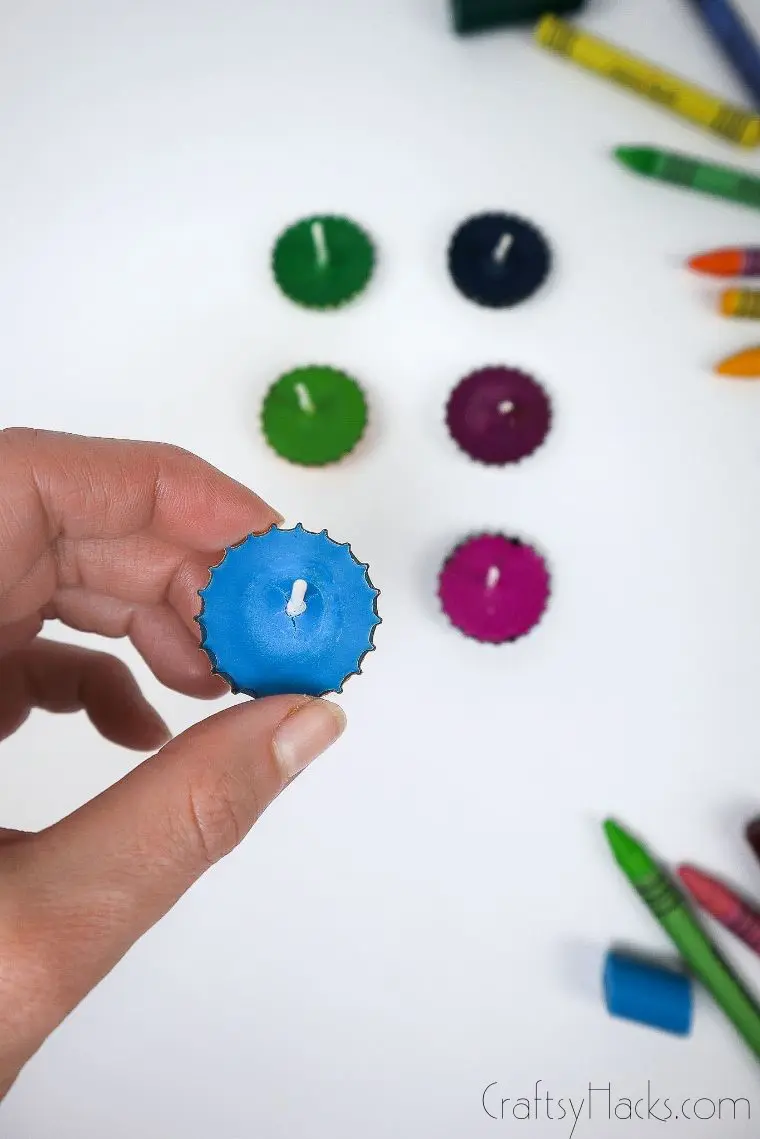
x: 743, y: 366
x: 741, y: 303
x: 728, y: 263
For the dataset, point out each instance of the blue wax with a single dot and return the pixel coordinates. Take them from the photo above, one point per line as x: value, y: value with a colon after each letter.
x: 648, y: 994
x: 735, y: 37
x: 252, y: 641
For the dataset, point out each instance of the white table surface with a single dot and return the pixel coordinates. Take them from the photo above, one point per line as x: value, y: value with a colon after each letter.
x: 425, y: 913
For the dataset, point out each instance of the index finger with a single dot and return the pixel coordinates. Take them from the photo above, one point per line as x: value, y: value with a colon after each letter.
x: 68, y: 486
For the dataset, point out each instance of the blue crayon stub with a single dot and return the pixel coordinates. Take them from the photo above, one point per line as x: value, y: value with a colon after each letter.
x: 648, y: 994
x: 288, y: 611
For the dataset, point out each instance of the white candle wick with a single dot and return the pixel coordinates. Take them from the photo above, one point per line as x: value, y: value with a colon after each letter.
x: 303, y: 396
x: 503, y: 248
x: 506, y: 407
x: 320, y: 244
x: 492, y: 577
x: 297, y: 605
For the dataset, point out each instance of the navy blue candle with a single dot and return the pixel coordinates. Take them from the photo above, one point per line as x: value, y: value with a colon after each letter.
x: 288, y: 611
x: 498, y: 260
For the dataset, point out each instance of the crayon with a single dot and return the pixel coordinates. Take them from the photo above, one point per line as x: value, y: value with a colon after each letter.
x: 743, y: 366
x: 727, y: 25
x: 681, y: 170
x: 724, y: 905
x: 668, y: 91
x: 741, y: 303
x: 728, y: 262
x: 669, y: 907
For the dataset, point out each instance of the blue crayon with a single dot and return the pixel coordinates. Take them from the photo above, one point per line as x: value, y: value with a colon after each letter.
x: 739, y: 45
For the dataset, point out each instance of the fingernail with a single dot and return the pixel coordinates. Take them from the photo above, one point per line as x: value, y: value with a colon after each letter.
x: 158, y: 730
x: 163, y: 730
x: 753, y: 835
x: 305, y: 734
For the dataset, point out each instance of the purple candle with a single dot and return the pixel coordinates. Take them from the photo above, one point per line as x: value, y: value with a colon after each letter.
x: 494, y: 589
x: 498, y: 415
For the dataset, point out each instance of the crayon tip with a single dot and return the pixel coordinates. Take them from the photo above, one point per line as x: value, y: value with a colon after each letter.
x: 628, y: 853
x: 744, y: 365
x: 715, y: 898
x: 621, y: 843
x: 719, y: 263
x: 703, y: 889
x: 690, y: 877
x: 642, y: 160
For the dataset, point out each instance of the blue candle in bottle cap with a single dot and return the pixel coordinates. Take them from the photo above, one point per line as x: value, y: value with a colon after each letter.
x: 498, y: 260
x: 288, y: 611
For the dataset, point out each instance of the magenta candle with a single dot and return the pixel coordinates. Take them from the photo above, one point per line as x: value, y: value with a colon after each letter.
x: 494, y: 589
x: 498, y: 415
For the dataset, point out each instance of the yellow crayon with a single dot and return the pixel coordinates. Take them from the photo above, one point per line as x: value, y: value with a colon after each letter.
x: 651, y: 82
x: 741, y: 302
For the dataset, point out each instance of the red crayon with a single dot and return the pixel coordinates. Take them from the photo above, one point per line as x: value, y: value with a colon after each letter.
x: 724, y: 905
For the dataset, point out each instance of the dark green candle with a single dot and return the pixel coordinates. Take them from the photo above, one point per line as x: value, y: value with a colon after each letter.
x: 480, y: 15
x: 323, y: 261
x: 314, y: 416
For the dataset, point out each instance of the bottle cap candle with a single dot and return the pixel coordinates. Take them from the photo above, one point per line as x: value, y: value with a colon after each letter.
x: 494, y: 589
x: 498, y: 260
x: 288, y: 612
x: 323, y: 262
x: 498, y: 415
x: 314, y: 415
x: 479, y: 15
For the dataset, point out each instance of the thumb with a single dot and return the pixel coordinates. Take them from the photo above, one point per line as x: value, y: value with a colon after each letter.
x: 88, y: 887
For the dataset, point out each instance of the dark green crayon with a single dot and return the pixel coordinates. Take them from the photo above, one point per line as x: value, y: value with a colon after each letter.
x: 670, y: 909
x: 681, y: 170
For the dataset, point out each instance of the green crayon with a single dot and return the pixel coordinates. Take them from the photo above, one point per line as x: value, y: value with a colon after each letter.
x: 681, y: 170
x: 670, y: 909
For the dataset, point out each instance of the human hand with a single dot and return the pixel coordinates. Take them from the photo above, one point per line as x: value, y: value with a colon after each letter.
x: 116, y: 538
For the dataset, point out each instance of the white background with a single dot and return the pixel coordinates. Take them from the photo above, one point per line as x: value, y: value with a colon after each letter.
x: 426, y: 911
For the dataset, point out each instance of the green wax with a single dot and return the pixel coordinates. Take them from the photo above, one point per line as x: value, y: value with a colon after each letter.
x: 314, y: 416
x: 669, y: 908
x: 323, y: 261
x: 667, y: 166
x: 479, y: 15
